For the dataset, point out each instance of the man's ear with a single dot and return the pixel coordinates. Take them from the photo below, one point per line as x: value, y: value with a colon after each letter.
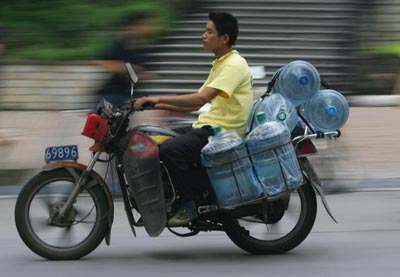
x: 225, y: 39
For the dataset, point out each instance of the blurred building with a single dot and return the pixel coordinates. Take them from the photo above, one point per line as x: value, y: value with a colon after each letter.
x: 379, y: 47
x: 337, y: 36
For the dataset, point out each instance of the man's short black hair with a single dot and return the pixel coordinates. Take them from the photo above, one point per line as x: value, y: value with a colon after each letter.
x: 225, y: 24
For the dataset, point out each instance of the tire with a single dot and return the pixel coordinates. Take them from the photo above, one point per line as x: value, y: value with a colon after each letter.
x: 43, y: 195
x: 255, y: 241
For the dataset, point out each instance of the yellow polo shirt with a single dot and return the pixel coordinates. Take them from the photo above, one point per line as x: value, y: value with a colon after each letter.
x: 231, y: 108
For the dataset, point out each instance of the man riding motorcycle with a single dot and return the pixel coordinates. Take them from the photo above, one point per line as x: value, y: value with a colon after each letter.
x: 229, y: 89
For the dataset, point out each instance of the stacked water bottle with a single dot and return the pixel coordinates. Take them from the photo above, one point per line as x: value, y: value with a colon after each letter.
x: 269, y: 166
x: 299, y: 82
x: 229, y: 168
x: 273, y: 156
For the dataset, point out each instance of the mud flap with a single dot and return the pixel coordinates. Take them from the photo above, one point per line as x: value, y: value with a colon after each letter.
x: 316, y: 183
x: 142, y: 168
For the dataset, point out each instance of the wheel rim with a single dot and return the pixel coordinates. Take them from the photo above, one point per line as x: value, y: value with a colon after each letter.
x: 254, y: 227
x: 65, y: 233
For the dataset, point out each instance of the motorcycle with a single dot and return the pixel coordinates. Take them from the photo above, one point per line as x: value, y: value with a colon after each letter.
x: 66, y: 210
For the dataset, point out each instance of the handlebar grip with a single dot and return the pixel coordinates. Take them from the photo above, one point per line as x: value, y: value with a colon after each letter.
x: 149, y: 104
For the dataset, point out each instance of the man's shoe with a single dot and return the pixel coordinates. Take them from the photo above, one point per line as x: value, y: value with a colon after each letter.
x: 182, y: 217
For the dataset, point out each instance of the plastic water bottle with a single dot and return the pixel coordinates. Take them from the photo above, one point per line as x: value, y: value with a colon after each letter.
x: 229, y: 169
x: 328, y: 110
x: 298, y: 82
x: 273, y: 156
x: 278, y: 108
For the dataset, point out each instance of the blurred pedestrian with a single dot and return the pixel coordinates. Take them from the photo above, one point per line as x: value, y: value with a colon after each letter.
x: 132, y: 45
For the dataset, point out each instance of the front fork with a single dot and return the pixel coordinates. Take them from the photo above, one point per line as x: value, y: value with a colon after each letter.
x: 313, y: 178
x: 78, y: 187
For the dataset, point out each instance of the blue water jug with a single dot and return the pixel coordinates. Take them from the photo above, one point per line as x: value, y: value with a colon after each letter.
x: 277, y: 108
x: 328, y: 110
x: 273, y: 156
x: 229, y: 169
x: 297, y: 81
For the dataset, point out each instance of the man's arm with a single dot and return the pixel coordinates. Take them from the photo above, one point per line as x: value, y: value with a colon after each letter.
x: 116, y: 66
x: 191, y: 101
x: 173, y: 108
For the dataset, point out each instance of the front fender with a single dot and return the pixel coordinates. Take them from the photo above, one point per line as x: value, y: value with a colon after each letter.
x: 76, y: 169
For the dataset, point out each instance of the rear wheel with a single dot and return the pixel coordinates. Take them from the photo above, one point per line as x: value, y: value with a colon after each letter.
x: 48, y: 234
x: 284, y: 228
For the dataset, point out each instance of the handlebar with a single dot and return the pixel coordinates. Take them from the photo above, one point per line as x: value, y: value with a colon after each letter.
x: 149, y: 104
x: 107, y: 111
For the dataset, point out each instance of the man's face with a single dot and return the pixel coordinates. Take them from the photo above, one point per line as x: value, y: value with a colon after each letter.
x: 211, y: 40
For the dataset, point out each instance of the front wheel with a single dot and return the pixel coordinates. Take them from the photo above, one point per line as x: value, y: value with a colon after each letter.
x: 48, y: 234
x: 288, y: 224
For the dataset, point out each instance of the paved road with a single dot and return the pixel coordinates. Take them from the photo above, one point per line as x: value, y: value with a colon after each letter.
x: 366, y: 242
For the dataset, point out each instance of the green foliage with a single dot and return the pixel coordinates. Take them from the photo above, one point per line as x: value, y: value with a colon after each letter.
x: 392, y: 50
x: 386, y: 50
x: 71, y: 29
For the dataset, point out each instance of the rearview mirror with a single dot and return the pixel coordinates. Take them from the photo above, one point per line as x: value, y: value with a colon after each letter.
x: 132, y: 73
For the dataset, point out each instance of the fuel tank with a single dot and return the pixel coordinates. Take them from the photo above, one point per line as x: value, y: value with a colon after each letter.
x: 156, y: 133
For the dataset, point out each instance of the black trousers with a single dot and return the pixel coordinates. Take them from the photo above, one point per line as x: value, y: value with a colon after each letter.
x: 181, y: 155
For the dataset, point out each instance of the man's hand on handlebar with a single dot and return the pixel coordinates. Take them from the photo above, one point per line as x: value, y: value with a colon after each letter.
x: 145, y: 103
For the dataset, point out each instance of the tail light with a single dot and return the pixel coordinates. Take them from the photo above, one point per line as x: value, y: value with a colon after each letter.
x: 96, y: 128
x: 305, y: 147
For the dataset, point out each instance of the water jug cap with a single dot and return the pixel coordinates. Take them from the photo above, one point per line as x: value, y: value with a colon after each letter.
x: 281, y: 115
x: 261, y: 117
x: 331, y: 110
x: 303, y: 80
x: 217, y: 130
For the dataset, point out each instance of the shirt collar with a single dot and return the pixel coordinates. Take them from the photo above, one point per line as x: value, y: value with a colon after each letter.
x: 224, y: 57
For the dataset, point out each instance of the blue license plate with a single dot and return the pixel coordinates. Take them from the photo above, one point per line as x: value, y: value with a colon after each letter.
x: 61, y: 153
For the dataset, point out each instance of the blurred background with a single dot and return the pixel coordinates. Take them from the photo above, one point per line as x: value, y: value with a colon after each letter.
x: 58, y: 57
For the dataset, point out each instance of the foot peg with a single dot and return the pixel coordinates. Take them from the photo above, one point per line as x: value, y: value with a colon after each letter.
x: 207, y: 209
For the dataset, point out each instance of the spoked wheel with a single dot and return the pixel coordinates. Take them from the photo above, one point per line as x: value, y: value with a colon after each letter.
x: 56, y: 237
x: 282, y: 229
